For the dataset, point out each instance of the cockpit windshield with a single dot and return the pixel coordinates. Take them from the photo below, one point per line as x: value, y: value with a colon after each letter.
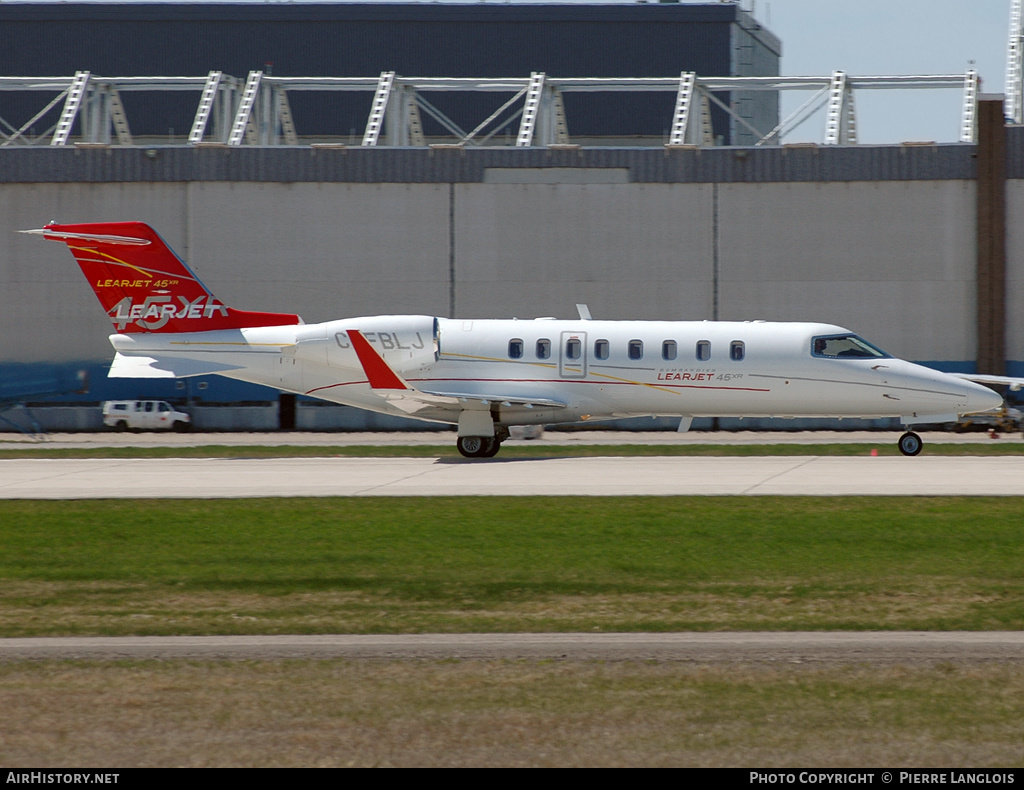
x: 845, y: 347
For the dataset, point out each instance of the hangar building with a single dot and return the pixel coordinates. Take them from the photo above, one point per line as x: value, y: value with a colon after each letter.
x: 906, y: 244
x: 416, y: 39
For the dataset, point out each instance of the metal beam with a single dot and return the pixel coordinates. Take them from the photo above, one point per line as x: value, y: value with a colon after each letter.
x: 72, y: 104
x: 542, y: 120
x: 378, y: 108
x: 402, y: 123
x: 243, y: 118
x: 531, y: 110
x: 1015, y: 65
x: 839, y: 127
x: 284, y: 124
x: 681, y: 114
x: 118, y: 118
x: 20, y: 132
x: 205, y: 108
x: 493, y: 117
x: 969, y: 113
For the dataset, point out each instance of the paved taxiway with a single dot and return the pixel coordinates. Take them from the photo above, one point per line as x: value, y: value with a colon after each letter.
x: 36, y: 478
x: 897, y: 647
x: 549, y: 439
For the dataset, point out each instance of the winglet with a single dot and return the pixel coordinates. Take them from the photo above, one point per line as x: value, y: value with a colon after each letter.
x: 1013, y: 382
x: 378, y: 373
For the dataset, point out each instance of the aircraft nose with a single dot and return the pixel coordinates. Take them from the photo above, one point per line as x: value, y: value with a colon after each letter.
x: 981, y: 398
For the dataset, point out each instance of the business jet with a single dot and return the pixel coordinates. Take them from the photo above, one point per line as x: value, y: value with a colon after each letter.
x: 485, y: 376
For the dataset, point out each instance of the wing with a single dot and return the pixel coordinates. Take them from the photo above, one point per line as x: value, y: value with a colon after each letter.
x: 403, y: 396
x: 414, y: 400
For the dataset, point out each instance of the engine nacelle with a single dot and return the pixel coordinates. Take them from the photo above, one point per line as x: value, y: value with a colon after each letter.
x: 407, y: 343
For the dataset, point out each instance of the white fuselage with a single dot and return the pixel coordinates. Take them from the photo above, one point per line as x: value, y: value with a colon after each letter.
x: 548, y: 371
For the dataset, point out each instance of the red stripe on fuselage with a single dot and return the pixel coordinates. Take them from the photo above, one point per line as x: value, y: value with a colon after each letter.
x: 603, y: 383
x: 542, y: 381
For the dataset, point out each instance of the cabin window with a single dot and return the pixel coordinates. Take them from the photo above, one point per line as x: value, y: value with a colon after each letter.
x: 515, y: 348
x: 635, y: 349
x: 668, y: 350
x: 703, y: 350
x: 845, y: 347
x: 737, y: 351
x: 601, y: 348
x: 543, y: 348
x: 573, y: 348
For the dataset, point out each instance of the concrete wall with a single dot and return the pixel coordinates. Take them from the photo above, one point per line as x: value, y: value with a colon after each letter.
x: 892, y: 260
x: 321, y: 250
x: 626, y: 250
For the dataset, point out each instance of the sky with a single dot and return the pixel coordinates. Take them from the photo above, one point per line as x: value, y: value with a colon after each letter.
x: 891, y: 37
x: 887, y: 37
x: 883, y: 37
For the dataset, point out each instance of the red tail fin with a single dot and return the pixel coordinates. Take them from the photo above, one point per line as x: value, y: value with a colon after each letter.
x: 144, y: 286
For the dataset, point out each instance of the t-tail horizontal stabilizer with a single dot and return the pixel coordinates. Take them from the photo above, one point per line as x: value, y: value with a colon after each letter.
x: 144, y: 286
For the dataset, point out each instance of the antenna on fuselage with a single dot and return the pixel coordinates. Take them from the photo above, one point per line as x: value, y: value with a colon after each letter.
x: 584, y: 312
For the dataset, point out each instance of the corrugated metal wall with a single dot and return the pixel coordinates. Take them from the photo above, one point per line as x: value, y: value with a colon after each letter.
x: 469, y: 165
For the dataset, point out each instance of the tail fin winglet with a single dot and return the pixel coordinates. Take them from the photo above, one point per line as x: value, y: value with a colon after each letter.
x: 144, y: 286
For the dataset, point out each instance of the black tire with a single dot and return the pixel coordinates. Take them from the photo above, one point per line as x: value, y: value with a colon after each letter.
x: 181, y: 427
x: 910, y: 443
x: 476, y: 446
x: 120, y: 426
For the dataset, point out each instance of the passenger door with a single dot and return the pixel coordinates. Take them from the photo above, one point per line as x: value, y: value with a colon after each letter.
x: 572, y: 355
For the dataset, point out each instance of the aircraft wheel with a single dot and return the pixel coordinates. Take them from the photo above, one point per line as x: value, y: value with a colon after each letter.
x: 474, y: 446
x: 910, y: 443
x: 492, y: 450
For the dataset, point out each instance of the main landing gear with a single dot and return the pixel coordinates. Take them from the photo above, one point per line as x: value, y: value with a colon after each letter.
x: 481, y: 446
x: 910, y: 443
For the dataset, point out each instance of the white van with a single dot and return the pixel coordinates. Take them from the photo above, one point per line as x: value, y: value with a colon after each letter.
x: 144, y: 415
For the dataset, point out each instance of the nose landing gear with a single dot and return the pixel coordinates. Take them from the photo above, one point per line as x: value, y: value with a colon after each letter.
x: 910, y: 443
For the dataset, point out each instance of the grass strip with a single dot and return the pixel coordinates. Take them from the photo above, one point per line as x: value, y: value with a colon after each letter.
x: 463, y: 564
x: 504, y: 713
